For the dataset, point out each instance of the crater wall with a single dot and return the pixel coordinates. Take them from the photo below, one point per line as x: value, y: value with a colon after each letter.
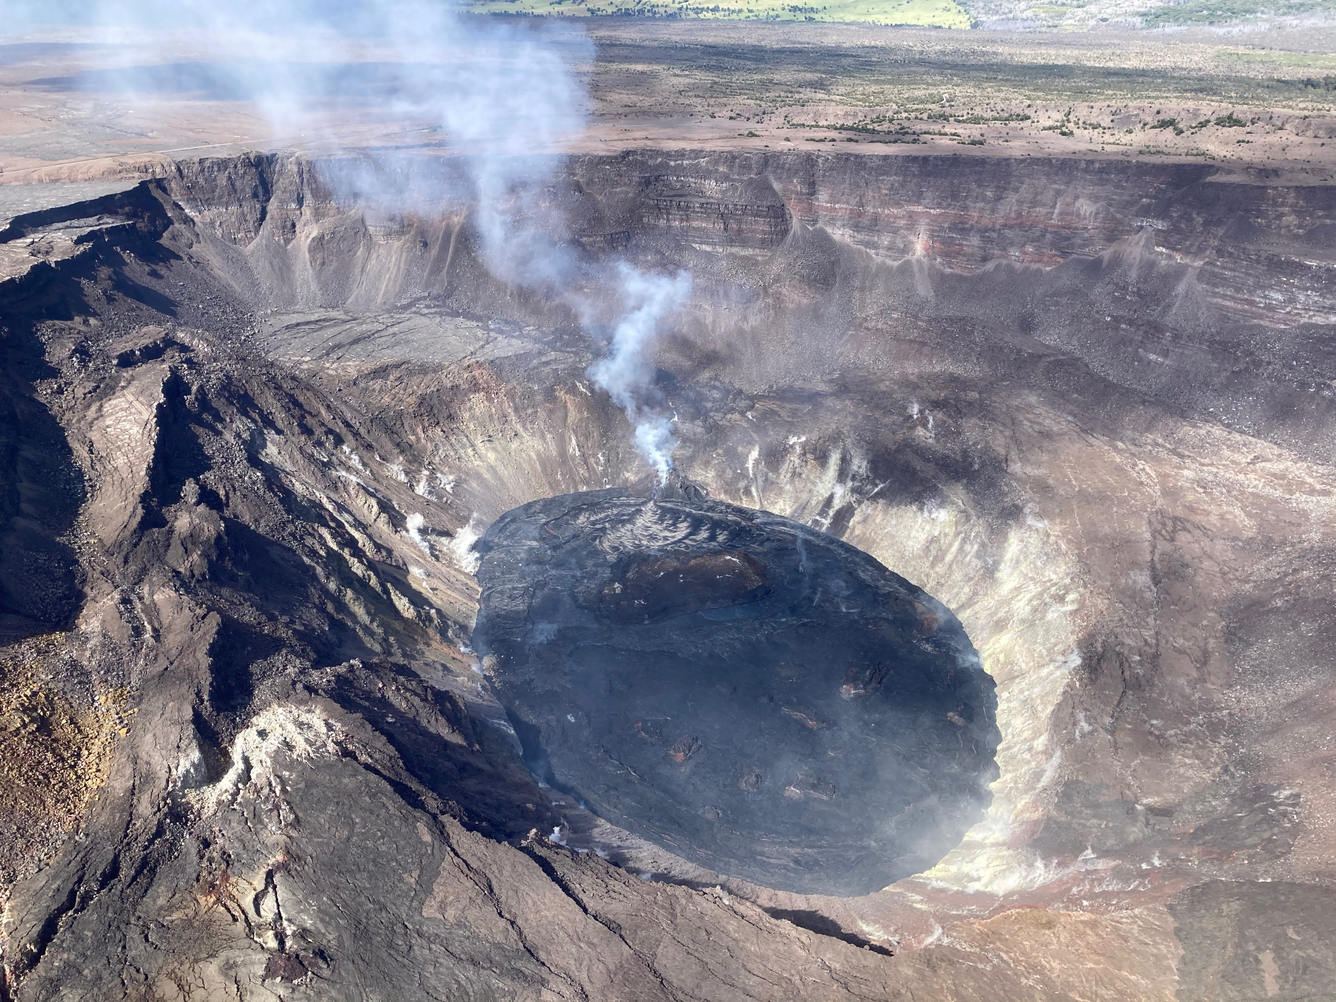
x: 1087, y: 406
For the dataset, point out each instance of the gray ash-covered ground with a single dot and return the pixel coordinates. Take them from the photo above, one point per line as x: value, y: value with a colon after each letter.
x: 746, y: 691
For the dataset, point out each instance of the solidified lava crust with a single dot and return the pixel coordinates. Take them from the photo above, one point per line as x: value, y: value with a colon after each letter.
x: 752, y: 694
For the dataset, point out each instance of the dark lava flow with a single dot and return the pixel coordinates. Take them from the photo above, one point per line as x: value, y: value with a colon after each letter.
x: 747, y: 692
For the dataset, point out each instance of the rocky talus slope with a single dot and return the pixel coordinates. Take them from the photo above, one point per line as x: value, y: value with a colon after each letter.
x: 250, y: 434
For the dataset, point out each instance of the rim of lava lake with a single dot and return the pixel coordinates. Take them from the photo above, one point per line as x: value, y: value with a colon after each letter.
x: 745, y: 691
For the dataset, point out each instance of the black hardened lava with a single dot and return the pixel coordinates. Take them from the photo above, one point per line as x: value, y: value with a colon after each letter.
x: 750, y: 693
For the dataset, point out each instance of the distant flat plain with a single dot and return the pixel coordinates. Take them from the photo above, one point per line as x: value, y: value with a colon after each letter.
x: 1260, y: 98
x: 69, y: 107
x: 1026, y: 14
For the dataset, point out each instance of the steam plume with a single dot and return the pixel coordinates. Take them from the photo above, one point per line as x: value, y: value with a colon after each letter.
x: 626, y: 373
x: 505, y: 97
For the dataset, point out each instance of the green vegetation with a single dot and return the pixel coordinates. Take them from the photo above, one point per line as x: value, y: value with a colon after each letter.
x: 1228, y: 11
x: 1280, y: 59
x: 921, y: 13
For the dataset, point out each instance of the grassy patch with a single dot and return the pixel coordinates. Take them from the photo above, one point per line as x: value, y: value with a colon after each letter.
x: 1278, y: 58
x: 1228, y: 11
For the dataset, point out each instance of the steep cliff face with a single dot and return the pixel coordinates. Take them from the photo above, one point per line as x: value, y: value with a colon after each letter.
x: 262, y: 430
x: 1260, y: 246
x: 1210, y: 292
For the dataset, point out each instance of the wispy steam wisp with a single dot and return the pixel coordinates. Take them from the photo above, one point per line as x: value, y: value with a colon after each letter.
x: 504, y: 97
x: 627, y: 372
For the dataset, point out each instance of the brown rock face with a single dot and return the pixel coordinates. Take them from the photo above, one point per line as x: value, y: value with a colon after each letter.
x: 246, y: 438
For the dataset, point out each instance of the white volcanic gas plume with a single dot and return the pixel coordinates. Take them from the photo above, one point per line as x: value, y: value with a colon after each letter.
x: 507, y: 98
x: 626, y: 373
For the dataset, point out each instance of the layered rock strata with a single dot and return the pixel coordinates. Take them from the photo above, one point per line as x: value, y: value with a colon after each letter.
x: 232, y: 680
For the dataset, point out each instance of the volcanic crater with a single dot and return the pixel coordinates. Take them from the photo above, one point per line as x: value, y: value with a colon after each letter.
x: 737, y: 687
x: 1087, y: 407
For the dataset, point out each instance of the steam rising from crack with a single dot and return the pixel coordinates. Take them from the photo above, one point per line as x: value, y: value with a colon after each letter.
x: 626, y: 373
x: 504, y: 97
